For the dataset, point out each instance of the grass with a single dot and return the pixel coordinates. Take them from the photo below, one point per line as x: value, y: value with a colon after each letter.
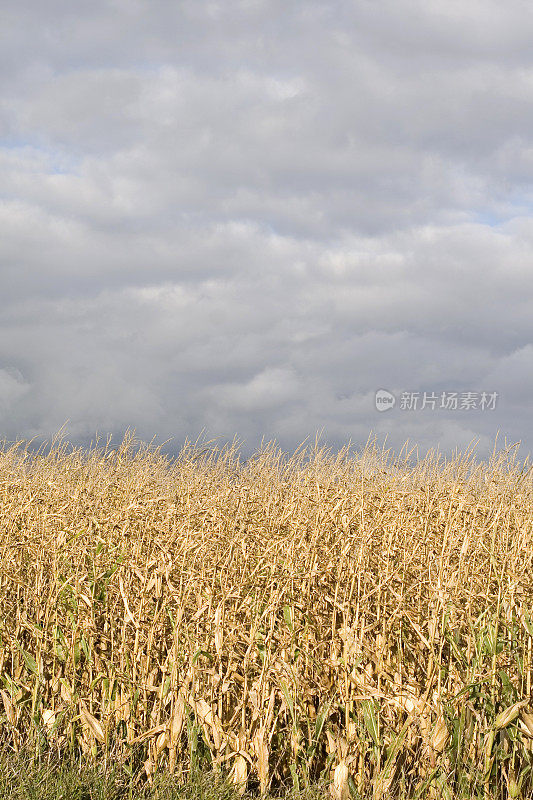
x: 354, y: 625
x: 24, y: 777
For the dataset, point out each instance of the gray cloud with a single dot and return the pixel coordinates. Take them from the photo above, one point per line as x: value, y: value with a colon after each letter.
x: 249, y: 216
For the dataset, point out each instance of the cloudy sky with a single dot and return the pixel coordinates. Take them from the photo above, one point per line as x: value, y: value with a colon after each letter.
x: 248, y: 216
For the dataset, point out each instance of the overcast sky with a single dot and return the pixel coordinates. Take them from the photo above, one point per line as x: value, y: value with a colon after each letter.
x: 248, y: 216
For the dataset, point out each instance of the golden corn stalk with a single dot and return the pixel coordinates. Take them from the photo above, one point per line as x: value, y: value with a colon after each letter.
x: 282, y: 620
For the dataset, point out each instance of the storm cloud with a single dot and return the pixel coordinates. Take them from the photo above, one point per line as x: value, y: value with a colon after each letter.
x: 246, y: 217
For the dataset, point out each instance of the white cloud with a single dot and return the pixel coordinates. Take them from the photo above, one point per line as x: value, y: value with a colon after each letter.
x: 270, y: 389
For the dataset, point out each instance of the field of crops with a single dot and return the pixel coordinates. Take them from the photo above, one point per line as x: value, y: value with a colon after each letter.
x: 356, y: 620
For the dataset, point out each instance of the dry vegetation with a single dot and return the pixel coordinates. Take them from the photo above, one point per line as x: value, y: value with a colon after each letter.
x: 343, y: 619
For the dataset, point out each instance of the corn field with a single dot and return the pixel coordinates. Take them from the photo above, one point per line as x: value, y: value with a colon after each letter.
x: 364, y: 621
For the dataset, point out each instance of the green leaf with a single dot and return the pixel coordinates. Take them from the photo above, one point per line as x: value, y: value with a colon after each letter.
x: 321, y: 719
x: 528, y: 624
x: 387, y: 771
x: 371, y: 723
x: 287, y: 616
x: 29, y: 661
x: 204, y: 653
x: 352, y: 787
x: 507, y: 683
x: 77, y: 654
x: 85, y: 648
x: 295, y: 778
x: 289, y: 701
x: 95, y: 681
